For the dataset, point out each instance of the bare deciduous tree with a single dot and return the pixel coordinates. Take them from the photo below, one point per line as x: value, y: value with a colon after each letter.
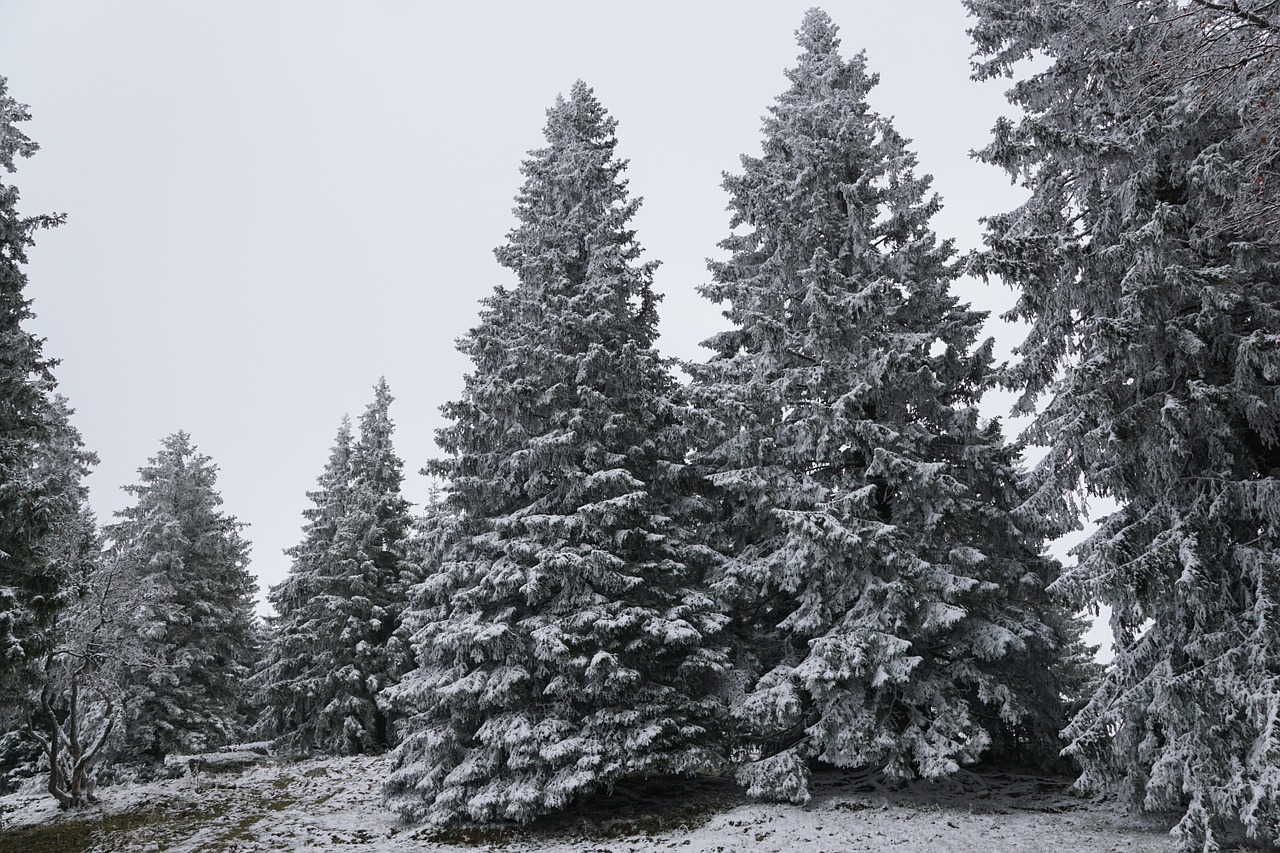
x: 81, y: 680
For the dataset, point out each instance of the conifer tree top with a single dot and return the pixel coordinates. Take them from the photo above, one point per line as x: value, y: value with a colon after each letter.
x: 13, y: 142
x: 574, y: 183
x: 820, y: 67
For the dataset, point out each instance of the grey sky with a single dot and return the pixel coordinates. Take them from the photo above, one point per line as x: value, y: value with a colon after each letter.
x: 271, y: 204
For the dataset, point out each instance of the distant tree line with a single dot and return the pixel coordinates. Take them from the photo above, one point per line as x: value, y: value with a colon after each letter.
x: 814, y: 551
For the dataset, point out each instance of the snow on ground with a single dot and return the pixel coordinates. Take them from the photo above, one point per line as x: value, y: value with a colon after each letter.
x: 332, y: 804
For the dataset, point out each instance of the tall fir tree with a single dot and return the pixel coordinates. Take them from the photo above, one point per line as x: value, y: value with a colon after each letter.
x: 380, y: 529
x: 199, y: 623
x: 292, y: 679
x: 1149, y: 277
x: 45, y: 529
x: 33, y: 497
x: 565, y: 645
x: 334, y: 643
x: 887, y: 585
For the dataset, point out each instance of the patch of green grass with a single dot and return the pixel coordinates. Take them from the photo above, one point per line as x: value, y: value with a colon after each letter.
x: 79, y: 832
x: 663, y: 818
x: 470, y: 835
x: 238, y: 832
x: 72, y: 835
x: 279, y: 805
x: 689, y: 817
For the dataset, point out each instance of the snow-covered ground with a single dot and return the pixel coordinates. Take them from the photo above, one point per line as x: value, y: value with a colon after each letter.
x: 332, y: 804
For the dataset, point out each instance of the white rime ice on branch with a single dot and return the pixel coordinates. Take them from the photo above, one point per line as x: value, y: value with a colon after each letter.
x: 72, y: 710
x: 888, y: 589
x: 333, y: 646
x: 1149, y: 274
x: 562, y: 639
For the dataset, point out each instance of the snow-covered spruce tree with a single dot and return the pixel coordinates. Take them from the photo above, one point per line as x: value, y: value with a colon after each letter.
x: 889, y: 593
x: 379, y: 529
x: 565, y: 645
x: 1153, y: 365
x: 199, y: 622
x: 333, y: 644
x: 295, y: 662
x: 30, y: 581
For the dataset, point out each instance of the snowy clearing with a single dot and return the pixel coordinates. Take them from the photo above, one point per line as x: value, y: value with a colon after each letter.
x: 332, y: 804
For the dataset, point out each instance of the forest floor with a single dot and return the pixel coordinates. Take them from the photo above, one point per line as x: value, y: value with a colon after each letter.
x: 333, y: 804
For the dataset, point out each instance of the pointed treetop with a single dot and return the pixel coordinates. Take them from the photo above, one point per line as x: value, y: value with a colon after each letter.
x: 573, y: 212
x: 820, y: 61
x: 178, y: 446
x: 580, y: 117
x: 580, y: 142
x: 173, y: 448
x: 340, y: 455
x: 376, y: 412
x: 373, y: 453
x: 177, y: 442
x: 818, y: 33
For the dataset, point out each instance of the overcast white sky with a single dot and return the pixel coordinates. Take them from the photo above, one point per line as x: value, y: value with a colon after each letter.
x: 272, y: 204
